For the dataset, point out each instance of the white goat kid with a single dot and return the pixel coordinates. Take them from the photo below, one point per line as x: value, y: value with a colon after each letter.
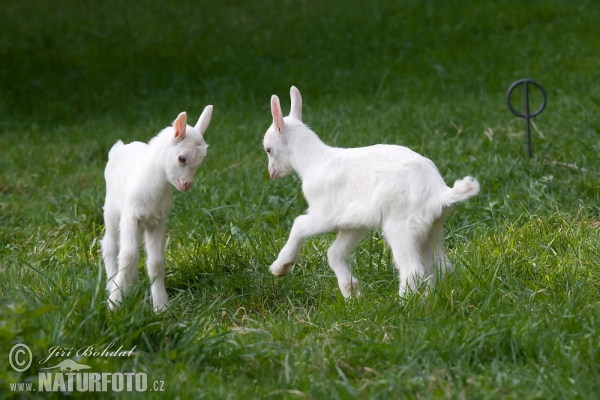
x: 139, y: 196
x: 361, y: 189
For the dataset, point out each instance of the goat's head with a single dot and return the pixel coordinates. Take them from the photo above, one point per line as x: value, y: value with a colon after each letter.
x: 187, y: 150
x: 276, y: 141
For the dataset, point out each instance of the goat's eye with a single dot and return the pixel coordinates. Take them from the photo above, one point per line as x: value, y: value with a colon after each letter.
x: 182, y: 159
x: 268, y: 150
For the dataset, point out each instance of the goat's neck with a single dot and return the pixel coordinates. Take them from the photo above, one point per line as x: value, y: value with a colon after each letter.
x: 308, y: 153
x: 154, y: 175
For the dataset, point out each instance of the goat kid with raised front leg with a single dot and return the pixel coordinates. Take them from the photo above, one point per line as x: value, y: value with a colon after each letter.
x: 139, y: 197
x: 360, y: 189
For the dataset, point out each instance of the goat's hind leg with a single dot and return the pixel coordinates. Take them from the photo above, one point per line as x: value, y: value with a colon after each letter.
x: 128, y: 260
x: 110, y: 248
x: 304, y: 227
x: 406, y: 242
x: 437, y: 257
x: 433, y: 258
x: 433, y: 254
x: 338, y: 255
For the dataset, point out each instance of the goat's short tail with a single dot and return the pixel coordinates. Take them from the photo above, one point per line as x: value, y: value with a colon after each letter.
x: 463, y: 189
x: 115, y: 146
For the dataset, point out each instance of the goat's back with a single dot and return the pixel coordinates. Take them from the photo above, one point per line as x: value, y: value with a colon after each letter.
x: 363, y: 186
x: 123, y: 161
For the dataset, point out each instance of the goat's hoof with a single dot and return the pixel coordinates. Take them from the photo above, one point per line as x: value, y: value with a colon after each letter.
x: 112, y: 304
x: 281, y: 269
x: 351, y: 289
x: 160, y: 308
x: 114, y: 299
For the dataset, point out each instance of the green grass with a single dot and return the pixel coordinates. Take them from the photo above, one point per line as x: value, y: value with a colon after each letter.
x: 519, y: 318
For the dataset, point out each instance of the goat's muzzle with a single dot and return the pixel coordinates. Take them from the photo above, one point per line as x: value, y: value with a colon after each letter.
x: 184, y: 186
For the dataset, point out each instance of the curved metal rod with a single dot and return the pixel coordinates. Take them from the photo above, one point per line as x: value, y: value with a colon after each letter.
x: 526, y: 115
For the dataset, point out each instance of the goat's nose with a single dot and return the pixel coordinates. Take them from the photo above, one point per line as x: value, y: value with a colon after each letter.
x: 187, y: 185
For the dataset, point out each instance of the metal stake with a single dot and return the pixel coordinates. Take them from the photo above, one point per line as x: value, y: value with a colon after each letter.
x: 526, y: 116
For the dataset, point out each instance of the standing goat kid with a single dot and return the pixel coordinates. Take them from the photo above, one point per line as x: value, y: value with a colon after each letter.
x: 356, y: 190
x: 139, y: 195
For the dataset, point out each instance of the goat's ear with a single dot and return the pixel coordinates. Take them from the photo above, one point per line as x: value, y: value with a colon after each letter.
x: 179, y: 126
x: 204, y: 120
x: 296, y: 110
x: 277, y: 114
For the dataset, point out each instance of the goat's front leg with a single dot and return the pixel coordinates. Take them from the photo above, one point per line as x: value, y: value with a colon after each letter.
x: 155, y: 249
x: 128, y: 259
x: 304, y: 227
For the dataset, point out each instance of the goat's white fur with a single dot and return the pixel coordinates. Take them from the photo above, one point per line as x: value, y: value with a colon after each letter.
x: 360, y: 189
x: 139, y: 197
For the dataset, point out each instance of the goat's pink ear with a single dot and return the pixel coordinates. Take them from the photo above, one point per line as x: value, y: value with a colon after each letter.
x: 277, y: 114
x: 296, y: 110
x: 179, y: 126
x: 204, y: 120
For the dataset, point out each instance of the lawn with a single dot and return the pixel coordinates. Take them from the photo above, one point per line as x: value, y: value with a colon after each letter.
x: 520, y: 316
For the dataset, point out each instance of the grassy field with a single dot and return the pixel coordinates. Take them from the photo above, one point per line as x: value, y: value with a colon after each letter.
x: 519, y: 318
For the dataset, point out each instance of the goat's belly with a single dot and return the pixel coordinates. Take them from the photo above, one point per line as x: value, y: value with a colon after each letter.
x: 151, y: 217
x: 352, y: 214
x: 152, y: 221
